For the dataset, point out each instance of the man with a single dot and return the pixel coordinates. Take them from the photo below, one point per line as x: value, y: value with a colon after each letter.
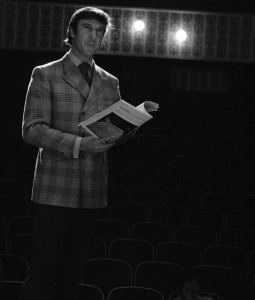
x: 70, y: 183
x: 190, y: 289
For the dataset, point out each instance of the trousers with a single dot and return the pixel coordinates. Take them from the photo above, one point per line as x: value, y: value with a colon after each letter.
x: 61, y: 246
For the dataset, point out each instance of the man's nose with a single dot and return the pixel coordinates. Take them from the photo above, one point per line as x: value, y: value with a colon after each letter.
x: 93, y: 33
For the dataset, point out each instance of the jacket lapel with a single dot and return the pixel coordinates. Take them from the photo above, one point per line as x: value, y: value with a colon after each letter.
x: 98, y: 83
x: 73, y: 76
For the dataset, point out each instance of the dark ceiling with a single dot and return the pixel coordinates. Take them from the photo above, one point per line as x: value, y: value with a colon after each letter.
x: 229, y: 6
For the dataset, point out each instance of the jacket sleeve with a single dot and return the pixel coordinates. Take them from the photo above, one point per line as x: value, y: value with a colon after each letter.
x: 37, y: 118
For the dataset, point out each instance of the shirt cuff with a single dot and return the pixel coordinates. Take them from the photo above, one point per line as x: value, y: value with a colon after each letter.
x: 76, y: 149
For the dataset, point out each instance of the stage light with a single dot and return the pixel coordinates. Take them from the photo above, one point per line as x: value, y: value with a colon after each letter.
x: 181, y: 35
x: 139, y: 25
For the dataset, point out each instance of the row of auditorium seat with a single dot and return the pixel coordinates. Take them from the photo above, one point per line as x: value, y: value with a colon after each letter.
x: 165, y: 277
x: 10, y: 290
x: 169, y: 214
x: 189, y: 245
x: 135, y: 251
x: 161, y: 189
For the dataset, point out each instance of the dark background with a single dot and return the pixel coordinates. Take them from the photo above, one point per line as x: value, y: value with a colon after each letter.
x: 245, y: 6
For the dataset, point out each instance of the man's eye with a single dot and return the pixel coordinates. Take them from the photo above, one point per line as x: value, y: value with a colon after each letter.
x: 100, y: 30
x: 87, y: 27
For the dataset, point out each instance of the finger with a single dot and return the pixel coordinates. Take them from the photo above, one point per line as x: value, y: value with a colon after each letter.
x: 108, y: 139
x: 108, y: 145
x: 104, y: 147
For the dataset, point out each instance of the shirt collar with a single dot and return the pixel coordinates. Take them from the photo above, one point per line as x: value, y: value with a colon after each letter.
x: 77, y: 61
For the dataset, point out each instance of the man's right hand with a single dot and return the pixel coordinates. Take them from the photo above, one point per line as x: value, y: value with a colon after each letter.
x: 95, y: 145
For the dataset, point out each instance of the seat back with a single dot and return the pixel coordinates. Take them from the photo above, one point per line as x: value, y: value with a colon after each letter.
x: 162, y: 276
x: 134, y: 293
x: 185, y: 254
x: 106, y: 274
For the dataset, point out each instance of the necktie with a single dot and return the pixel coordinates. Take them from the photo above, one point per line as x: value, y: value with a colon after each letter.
x: 86, y: 72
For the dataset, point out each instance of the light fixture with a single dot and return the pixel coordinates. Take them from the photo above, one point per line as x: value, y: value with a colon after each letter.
x: 181, y: 35
x: 139, y: 25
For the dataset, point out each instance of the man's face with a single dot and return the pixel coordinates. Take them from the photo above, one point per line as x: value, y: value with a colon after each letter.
x: 87, y: 39
x: 192, y: 287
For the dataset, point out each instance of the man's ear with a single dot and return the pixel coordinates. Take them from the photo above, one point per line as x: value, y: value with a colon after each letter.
x: 72, y: 32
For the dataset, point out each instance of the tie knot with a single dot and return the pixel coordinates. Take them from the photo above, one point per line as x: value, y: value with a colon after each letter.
x: 86, y: 71
x: 84, y: 66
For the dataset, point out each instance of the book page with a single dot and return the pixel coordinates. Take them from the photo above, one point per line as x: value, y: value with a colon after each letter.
x: 124, y: 110
x: 121, y: 117
x: 148, y: 106
x: 132, y: 114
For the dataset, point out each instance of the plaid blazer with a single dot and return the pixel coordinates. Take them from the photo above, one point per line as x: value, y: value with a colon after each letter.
x: 57, y: 100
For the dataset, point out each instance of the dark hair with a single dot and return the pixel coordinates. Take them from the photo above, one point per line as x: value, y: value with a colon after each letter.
x: 87, y: 13
x: 189, y: 275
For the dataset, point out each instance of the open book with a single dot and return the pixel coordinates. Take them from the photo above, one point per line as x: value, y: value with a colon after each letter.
x: 119, y: 118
